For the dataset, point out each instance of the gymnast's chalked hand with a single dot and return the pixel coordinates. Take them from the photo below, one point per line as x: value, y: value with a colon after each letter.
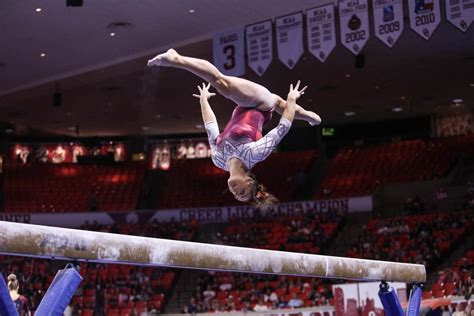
x: 204, y: 93
x: 295, y: 92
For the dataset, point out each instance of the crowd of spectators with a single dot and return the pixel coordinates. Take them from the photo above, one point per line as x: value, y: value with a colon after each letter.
x: 106, y: 289
x: 308, y: 232
x: 416, y: 239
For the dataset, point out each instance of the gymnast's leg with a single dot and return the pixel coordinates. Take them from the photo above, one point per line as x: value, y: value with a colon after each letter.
x: 243, y: 92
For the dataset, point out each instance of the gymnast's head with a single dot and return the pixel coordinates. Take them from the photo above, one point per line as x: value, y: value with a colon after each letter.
x: 246, y: 188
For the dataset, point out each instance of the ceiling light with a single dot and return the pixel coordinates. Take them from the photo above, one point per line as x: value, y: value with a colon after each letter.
x: 349, y: 113
x: 112, y: 34
x: 377, y: 87
x: 9, y: 130
x: 191, y: 11
x: 42, y: 54
x: 348, y: 76
x: 458, y: 100
x: 397, y: 109
x: 157, y: 116
x: 145, y: 128
x: 199, y: 126
x: 472, y: 85
x: 71, y: 128
x: 38, y: 9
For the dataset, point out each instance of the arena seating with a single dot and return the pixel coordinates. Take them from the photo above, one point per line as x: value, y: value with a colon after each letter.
x: 306, y: 234
x: 197, y: 182
x: 126, y: 288
x: 457, y: 280
x: 71, y: 187
x: 358, y: 171
x: 417, y: 239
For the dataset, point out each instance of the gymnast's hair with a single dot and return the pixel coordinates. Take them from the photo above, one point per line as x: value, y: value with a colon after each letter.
x: 261, y: 197
x: 13, y: 284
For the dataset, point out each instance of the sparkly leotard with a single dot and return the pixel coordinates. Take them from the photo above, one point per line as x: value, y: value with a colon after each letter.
x: 242, y: 137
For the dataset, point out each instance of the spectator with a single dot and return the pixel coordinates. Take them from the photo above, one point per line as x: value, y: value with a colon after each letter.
x: 446, y: 311
x: 459, y: 311
x: 20, y: 302
x: 260, y: 306
x: 295, y: 302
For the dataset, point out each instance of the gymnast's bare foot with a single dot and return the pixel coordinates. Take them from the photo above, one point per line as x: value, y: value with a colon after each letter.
x: 164, y: 59
x: 313, y: 118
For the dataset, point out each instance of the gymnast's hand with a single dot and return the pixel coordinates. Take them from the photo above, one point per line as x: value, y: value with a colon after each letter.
x: 295, y: 92
x: 204, y: 93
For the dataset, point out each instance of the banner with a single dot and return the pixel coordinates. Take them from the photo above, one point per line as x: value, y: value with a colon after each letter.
x: 354, y: 21
x: 460, y: 13
x: 425, y: 16
x: 388, y: 20
x: 228, y: 51
x: 289, y: 36
x: 259, y: 46
x: 58, y: 153
x: 321, y: 31
x: 362, y: 298
x: 201, y: 215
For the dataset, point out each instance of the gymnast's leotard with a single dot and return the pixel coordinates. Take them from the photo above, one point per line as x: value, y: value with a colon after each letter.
x: 242, y: 137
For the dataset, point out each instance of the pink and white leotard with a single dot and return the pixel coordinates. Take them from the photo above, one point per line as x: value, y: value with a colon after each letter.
x: 242, y: 137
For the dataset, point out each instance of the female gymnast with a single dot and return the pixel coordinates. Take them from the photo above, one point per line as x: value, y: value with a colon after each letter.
x: 241, y: 145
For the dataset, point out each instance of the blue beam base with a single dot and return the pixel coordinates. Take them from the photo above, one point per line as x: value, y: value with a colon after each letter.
x: 60, y: 292
x: 390, y: 302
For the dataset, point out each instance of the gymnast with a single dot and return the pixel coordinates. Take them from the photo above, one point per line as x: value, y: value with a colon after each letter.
x: 241, y: 144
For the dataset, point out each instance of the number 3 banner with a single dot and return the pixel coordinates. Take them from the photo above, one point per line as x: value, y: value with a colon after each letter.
x: 228, y: 51
x: 425, y: 16
x: 388, y: 20
x: 289, y: 34
x: 354, y: 20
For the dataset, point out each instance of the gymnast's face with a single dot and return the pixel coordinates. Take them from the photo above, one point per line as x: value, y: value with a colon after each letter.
x: 241, y: 187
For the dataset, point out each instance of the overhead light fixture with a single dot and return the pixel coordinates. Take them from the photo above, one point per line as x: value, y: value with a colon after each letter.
x: 200, y: 126
x: 472, y: 85
x: 191, y: 11
x: 348, y: 76
x: 145, y: 128
x: 158, y: 116
x: 112, y: 34
x: 38, y: 9
x: 349, y: 113
x: 9, y: 130
x: 71, y: 128
x: 397, y: 109
x: 458, y: 100
x: 42, y: 54
x: 377, y: 87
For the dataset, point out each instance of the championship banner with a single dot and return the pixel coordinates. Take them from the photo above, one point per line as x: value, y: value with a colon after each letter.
x: 460, y: 13
x: 259, y: 46
x: 321, y: 30
x: 289, y: 34
x: 228, y: 51
x: 425, y: 16
x: 388, y: 20
x: 220, y: 214
x: 354, y: 20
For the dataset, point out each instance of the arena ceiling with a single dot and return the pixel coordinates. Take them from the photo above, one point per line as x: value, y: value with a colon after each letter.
x: 107, y: 89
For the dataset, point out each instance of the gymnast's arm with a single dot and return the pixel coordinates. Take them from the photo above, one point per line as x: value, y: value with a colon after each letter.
x: 208, y: 116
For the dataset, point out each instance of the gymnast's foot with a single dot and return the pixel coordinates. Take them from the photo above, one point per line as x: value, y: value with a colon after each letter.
x: 164, y: 59
x: 313, y: 118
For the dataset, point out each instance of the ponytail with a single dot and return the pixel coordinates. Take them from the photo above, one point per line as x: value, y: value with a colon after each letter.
x: 261, y: 197
x: 13, y: 284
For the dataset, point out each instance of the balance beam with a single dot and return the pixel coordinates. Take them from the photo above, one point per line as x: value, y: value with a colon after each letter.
x: 81, y: 245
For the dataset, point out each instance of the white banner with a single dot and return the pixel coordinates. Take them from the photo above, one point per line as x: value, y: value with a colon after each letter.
x: 201, y: 215
x: 289, y: 36
x: 321, y: 31
x: 425, y: 16
x: 388, y: 20
x: 229, y: 54
x: 259, y: 46
x: 460, y: 13
x: 354, y: 21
